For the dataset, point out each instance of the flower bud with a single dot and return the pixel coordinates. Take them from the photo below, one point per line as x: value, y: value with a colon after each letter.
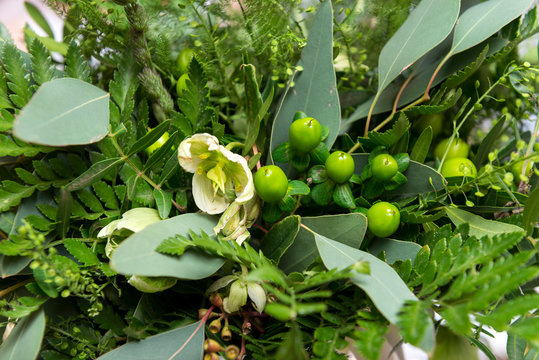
x: 215, y: 326
x: 212, y: 346
x: 226, y: 334
x: 211, y: 356
x: 237, y: 297
x: 232, y: 352
x: 216, y: 300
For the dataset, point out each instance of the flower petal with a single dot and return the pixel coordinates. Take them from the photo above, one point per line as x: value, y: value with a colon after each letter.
x: 204, y: 196
x: 257, y: 295
x: 138, y: 218
x: 239, y: 171
x: 191, y: 148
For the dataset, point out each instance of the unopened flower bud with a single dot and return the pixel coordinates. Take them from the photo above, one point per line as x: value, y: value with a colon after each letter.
x: 212, y: 346
x: 226, y: 334
x: 232, y: 352
x: 215, y: 326
x: 211, y: 356
x: 216, y: 300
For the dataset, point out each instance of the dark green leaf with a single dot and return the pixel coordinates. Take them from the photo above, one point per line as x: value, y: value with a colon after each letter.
x: 321, y: 100
x: 148, y: 139
x: 342, y: 195
x: 487, y: 144
x: 531, y: 211
x: 163, y: 199
x: 18, y: 79
x: 323, y: 192
x: 63, y: 214
x: 160, y: 153
x: 297, y: 187
x: 479, y: 226
x: 395, y: 250
x: 81, y: 252
x: 280, y: 237
x: 292, y: 347
x: 346, y: 228
x: 94, y: 173
x: 422, y: 146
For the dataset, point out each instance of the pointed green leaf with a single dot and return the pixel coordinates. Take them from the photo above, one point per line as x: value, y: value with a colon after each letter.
x: 429, y: 24
x: 395, y: 250
x: 346, y: 228
x: 182, y: 343
x: 64, y: 112
x: 280, y: 237
x: 483, y: 20
x: 148, y: 139
x: 422, y: 146
x: 38, y: 17
x: 383, y: 285
x: 24, y: 342
x: 94, y: 173
x: 487, y: 144
x: 531, y: 211
x: 315, y: 90
x: 479, y: 226
x: 163, y: 200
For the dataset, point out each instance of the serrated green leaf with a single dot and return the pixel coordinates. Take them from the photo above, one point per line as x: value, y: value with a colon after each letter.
x: 320, y: 101
x: 12, y: 193
x: 42, y: 67
x: 415, y: 325
x: 90, y: 201
x: 18, y: 78
x: 81, y: 252
x: 389, y: 137
x: 76, y: 67
x: 437, y: 106
x: 106, y: 194
x: 459, y: 77
x: 5, y: 103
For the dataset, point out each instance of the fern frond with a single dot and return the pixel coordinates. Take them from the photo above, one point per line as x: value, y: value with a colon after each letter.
x: 12, y: 193
x: 76, y: 67
x: 5, y: 103
x: 42, y: 67
x: 12, y: 147
x: 17, y: 75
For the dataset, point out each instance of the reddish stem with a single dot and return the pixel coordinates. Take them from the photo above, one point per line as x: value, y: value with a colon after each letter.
x: 202, y: 322
x: 255, y: 151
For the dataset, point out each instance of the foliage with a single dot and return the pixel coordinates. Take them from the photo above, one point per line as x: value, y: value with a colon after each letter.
x: 89, y: 137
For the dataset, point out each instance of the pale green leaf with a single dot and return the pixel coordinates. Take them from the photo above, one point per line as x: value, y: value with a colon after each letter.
x: 479, y: 226
x: 429, y: 24
x: 24, y: 342
x: 64, y: 112
x: 483, y: 20
x: 182, y: 343
x: 136, y: 255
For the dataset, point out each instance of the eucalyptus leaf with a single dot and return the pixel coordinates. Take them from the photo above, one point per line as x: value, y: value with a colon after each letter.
x: 395, y: 250
x: 479, y: 226
x: 315, y: 89
x: 383, y: 285
x: 136, y: 255
x: 427, y: 26
x: 182, y: 343
x: 24, y: 342
x: 348, y: 229
x: 64, y: 112
x: 483, y: 20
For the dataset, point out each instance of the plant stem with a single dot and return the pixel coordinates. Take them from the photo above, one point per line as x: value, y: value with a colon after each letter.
x: 14, y: 287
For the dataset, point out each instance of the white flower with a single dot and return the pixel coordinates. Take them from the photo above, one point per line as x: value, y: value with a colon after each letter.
x: 220, y: 176
x: 132, y: 221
